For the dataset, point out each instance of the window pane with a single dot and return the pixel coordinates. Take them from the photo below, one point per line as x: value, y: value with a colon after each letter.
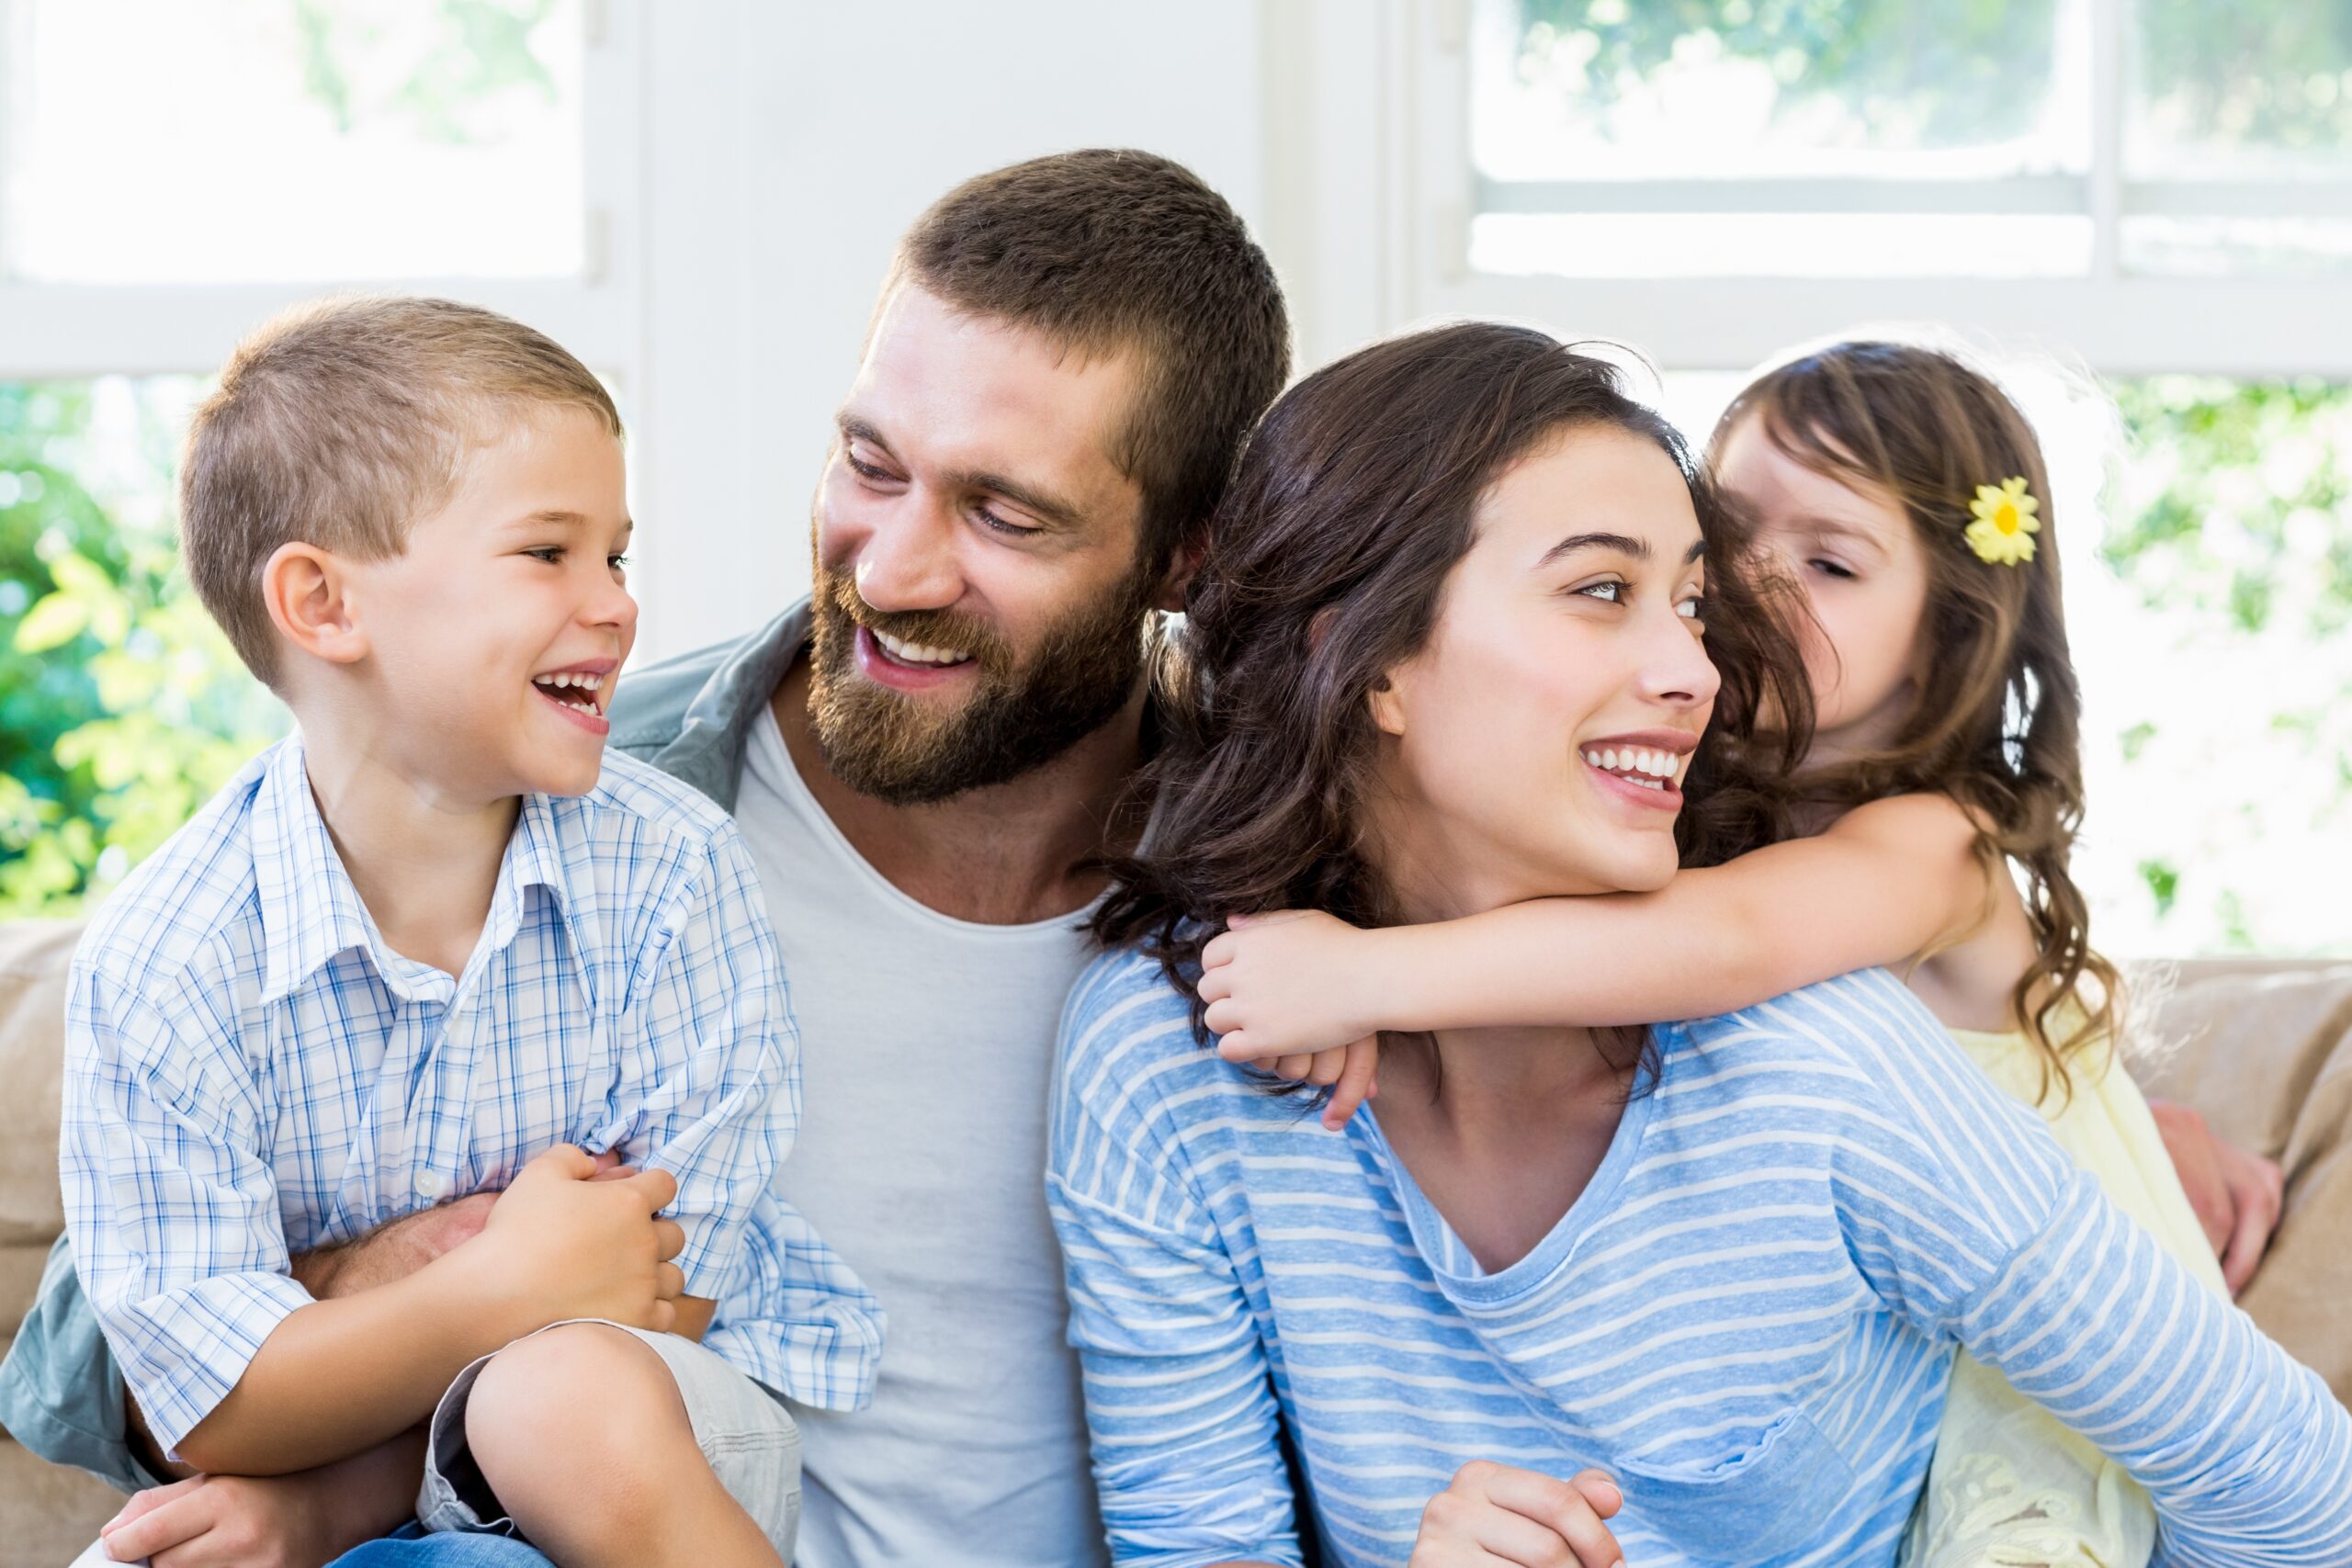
x: 122, y: 708
x: 1565, y: 89
x: 2220, y: 88
x: 1703, y: 244
x: 293, y: 140
x: 2223, y: 247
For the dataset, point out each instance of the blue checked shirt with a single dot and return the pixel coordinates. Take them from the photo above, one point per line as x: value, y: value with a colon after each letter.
x: 251, y: 1073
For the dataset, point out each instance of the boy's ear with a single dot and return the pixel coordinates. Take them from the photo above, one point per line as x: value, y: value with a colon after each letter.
x: 306, y: 591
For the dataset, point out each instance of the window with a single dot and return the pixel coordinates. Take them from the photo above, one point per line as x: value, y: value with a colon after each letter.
x: 156, y: 204
x: 2140, y: 209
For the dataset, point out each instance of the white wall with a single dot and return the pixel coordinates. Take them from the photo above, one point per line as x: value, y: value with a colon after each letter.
x: 788, y: 144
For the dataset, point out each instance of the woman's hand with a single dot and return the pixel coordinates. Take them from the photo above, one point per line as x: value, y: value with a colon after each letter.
x: 1493, y: 1514
x: 1287, y: 991
x: 2237, y: 1195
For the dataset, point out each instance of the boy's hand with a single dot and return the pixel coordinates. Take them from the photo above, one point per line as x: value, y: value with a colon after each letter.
x: 288, y: 1522
x: 566, y: 1240
x: 395, y: 1251
x: 1494, y: 1515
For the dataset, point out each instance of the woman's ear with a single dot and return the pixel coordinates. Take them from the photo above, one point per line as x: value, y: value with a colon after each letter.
x: 1388, y: 706
x: 307, y: 594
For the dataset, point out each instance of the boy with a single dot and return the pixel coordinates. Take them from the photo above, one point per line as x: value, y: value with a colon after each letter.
x: 438, y: 943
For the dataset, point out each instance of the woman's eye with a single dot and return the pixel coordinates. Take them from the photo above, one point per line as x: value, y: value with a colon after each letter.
x: 1694, y: 608
x: 1607, y: 592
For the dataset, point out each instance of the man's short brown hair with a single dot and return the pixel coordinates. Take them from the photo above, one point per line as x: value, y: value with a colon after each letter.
x: 340, y: 425
x: 1105, y: 250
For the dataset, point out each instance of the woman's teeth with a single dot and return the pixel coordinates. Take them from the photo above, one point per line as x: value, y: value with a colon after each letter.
x: 578, y: 690
x: 1635, y: 765
x: 916, y: 652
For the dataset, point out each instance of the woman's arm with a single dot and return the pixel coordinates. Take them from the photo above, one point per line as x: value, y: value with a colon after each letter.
x: 1964, y: 1217
x: 1882, y: 883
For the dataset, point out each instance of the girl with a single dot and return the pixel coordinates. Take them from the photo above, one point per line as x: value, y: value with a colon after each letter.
x: 1902, y: 492
x: 1688, y: 1296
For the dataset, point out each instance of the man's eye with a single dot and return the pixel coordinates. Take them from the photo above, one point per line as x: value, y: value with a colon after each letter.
x: 1001, y: 525
x: 864, y: 470
x: 1607, y: 592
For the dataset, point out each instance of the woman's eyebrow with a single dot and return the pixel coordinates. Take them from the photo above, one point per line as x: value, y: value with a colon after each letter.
x: 1624, y: 544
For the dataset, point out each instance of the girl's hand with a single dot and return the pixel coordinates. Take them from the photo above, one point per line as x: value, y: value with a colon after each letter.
x: 2237, y: 1194
x: 1274, y: 985
x: 1288, y: 983
x: 1494, y: 1515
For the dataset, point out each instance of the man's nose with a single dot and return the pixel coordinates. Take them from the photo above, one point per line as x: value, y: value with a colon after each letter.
x: 907, y: 561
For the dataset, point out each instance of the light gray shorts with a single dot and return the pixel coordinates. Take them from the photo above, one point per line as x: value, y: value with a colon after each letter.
x: 743, y: 1429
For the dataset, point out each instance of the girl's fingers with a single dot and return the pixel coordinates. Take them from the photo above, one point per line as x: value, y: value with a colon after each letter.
x: 1328, y: 1067
x: 1355, y: 1084
x: 1216, y: 979
x: 1295, y: 1068
x: 1219, y: 1015
x: 1236, y: 923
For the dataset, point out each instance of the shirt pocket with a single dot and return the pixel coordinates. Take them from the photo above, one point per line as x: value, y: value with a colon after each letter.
x: 1775, y: 1497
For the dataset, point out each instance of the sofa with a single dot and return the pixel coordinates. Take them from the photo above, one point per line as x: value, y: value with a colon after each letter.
x: 2264, y: 1049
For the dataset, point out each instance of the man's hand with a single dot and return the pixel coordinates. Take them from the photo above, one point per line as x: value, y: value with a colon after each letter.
x: 393, y: 1251
x: 569, y: 1240
x: 2236, y: 1195
x: 290, y: 1521
x: 1495, y: 1514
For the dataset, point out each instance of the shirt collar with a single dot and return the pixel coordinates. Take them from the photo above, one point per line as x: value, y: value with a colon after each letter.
x: 310, y: 910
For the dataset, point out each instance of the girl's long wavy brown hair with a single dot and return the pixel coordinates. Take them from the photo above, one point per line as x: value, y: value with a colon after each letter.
x: 1351, y: 504
x: 1995, y: 724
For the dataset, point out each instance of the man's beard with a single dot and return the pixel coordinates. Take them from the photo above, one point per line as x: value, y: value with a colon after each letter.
x: 1020, y: 715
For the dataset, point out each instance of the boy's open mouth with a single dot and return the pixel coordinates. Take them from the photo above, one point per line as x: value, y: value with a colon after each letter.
x: 573, y: 689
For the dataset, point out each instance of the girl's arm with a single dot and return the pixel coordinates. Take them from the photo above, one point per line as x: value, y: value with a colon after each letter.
x: 1882, y: 883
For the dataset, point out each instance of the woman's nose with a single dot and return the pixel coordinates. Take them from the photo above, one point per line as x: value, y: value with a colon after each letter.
x: 1677, y: 670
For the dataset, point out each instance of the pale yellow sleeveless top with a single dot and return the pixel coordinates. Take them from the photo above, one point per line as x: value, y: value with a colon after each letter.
x: 2009, y: 1484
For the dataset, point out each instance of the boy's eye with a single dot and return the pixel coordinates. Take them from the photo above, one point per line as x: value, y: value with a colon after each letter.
x: 617, y: 562
x: 551, y: 554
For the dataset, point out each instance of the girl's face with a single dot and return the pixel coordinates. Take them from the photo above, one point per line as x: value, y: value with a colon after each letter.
x: 1854, y: 553
x: 1537, y: 743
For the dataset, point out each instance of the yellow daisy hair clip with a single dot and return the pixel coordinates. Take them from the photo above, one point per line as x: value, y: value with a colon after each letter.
x: 2005, y: 525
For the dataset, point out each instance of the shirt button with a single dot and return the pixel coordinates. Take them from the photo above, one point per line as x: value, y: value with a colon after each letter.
x: 433, y: 1184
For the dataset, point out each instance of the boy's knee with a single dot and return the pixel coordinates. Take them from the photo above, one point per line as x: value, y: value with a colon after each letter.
x: 573, y: 1401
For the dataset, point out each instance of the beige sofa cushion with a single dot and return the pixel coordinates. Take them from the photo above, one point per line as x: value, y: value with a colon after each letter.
x: 2265, y: 1051
x: 34, y: 956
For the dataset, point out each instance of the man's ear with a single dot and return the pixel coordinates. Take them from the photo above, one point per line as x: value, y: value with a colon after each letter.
x: 308, y: 594
x: 1178, y: 578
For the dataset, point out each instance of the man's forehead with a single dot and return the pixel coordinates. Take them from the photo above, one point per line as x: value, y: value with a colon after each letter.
x: 943, y: 386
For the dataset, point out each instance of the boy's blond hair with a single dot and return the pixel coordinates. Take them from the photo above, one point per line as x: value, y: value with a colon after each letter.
x: 340, y: 425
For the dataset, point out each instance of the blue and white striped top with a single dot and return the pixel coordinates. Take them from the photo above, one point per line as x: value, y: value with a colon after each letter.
x: 1747, y: 1317
x: 251, y: 1073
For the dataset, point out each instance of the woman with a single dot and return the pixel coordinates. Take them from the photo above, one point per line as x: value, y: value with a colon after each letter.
x: 1713, y: 1277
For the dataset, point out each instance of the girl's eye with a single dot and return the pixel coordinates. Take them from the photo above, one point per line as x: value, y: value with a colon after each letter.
x: 1831, y: 568
x: 1607, y: 592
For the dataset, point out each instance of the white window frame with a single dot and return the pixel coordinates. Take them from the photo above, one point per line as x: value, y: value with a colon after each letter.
x: 1399, y: 89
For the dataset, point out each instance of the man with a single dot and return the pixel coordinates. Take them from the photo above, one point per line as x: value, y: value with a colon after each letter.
x: 928, y: 759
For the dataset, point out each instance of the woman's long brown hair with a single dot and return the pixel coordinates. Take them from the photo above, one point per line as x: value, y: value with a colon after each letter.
x: 1352, y: 503
x: 1996, y: 721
